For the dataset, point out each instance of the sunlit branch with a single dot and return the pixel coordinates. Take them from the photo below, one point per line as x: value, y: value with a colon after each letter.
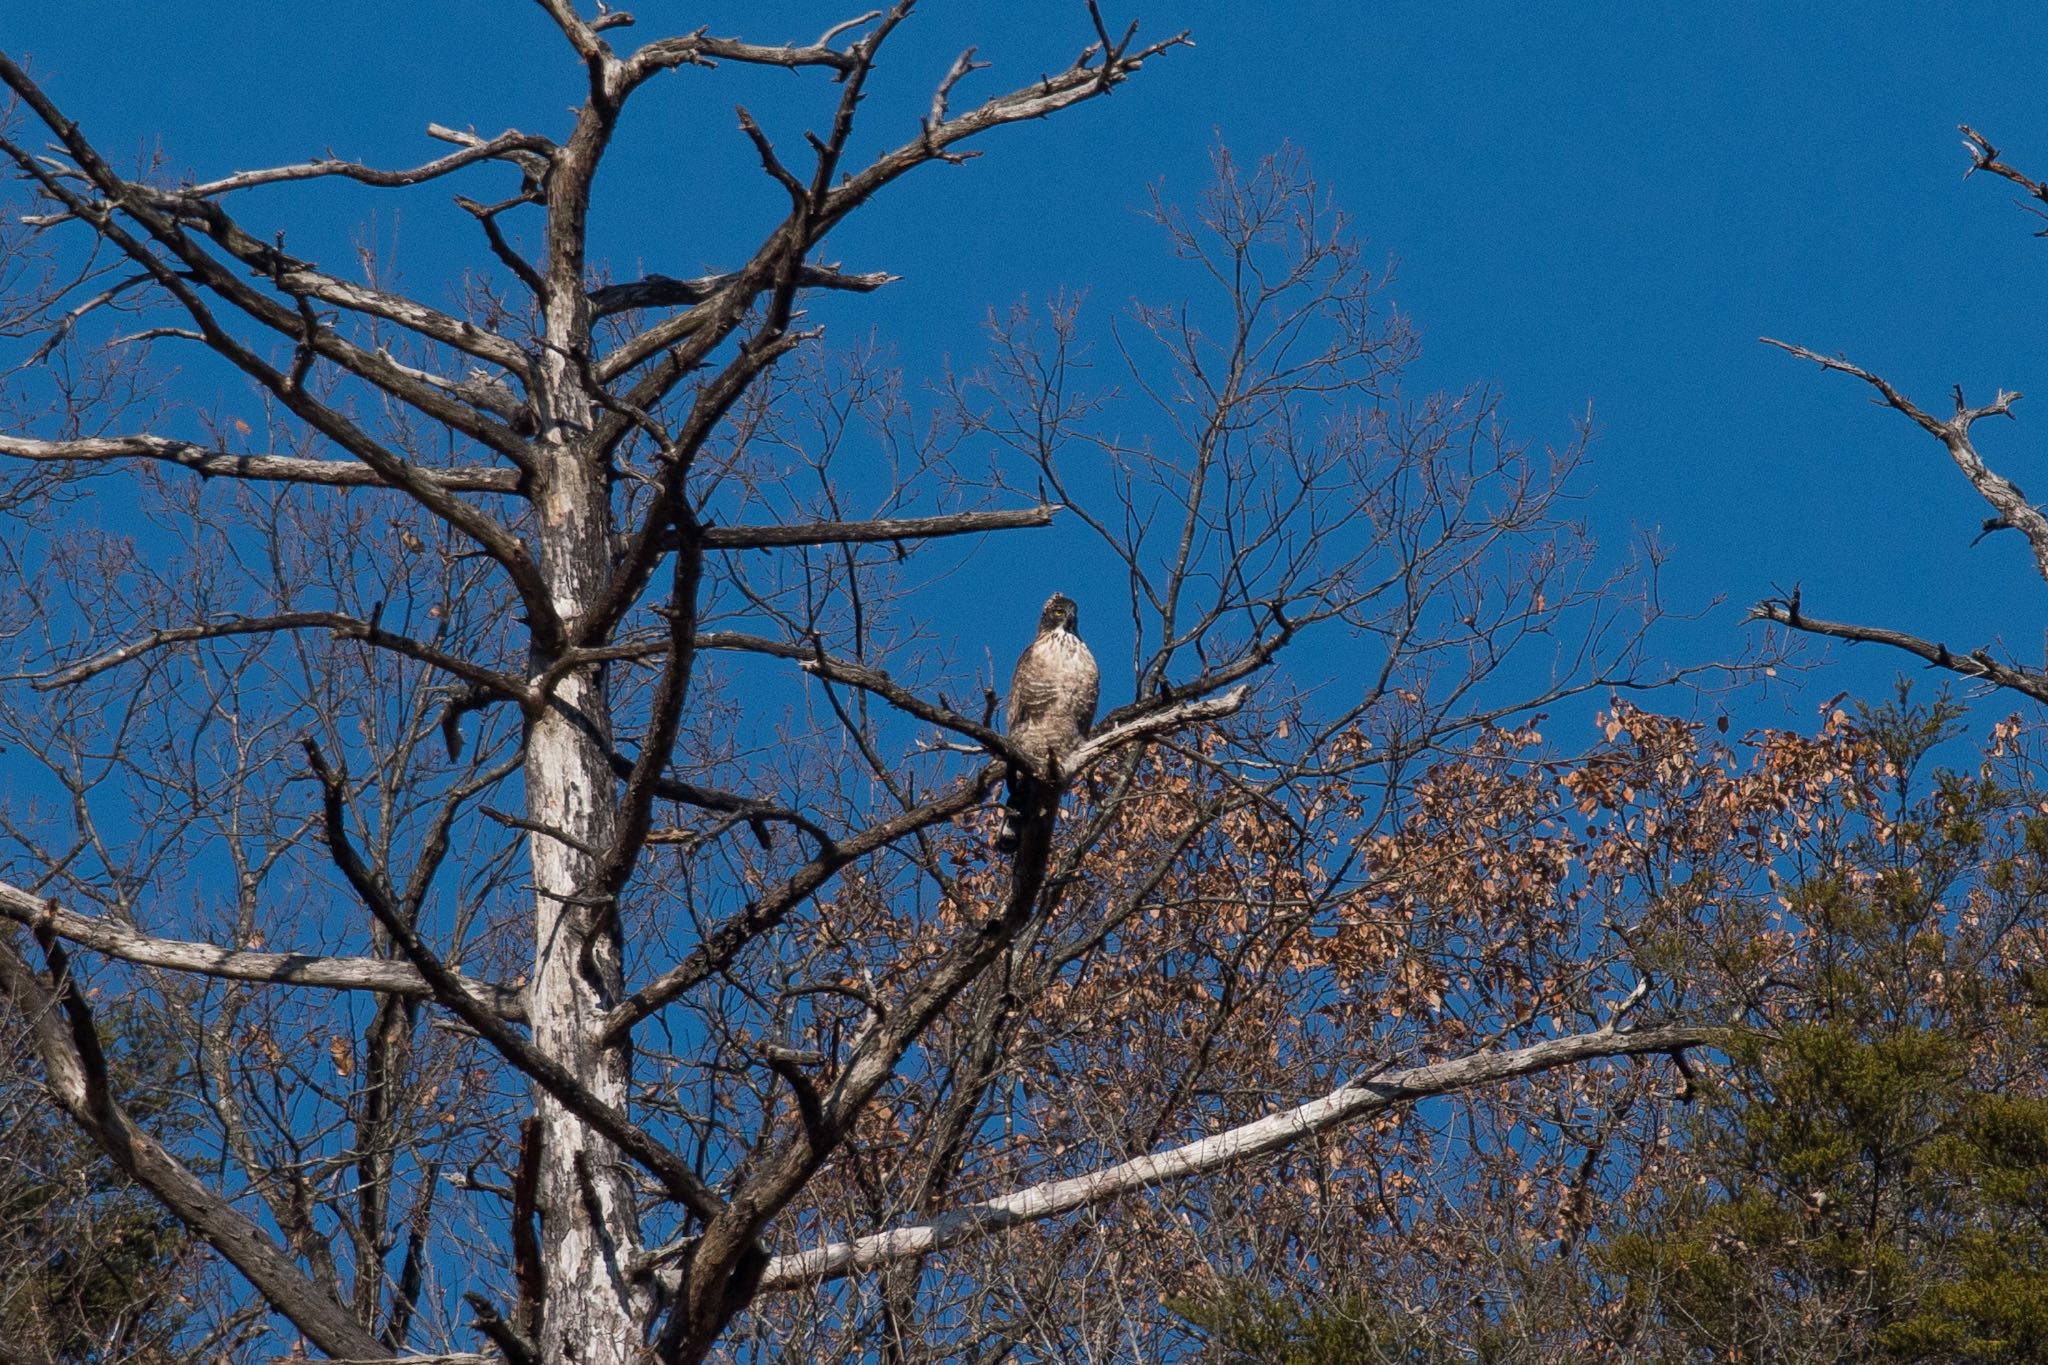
x: 878, y: 529
x: 2011, y: 505
x: 1178, y: 716
x: 165, y: 215
x: 294, y: 277
x: 497, y: 147
x: 701, y: 49
x: 117, y: 940
x: 1984, y: 157
x: 1343, y: 1106
x: 262, y: 468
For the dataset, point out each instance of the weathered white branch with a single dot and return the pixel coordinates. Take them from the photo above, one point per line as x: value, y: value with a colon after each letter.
x: 1112, y: 64
x: 267, y: 468
x: 117, y: 940
x: 530, y: 157
x: 1101, y: 744
x: 1345, y: 1105
x: 300, y: 278
x: 881, y: 529
x: 2004, y: 496
x: 701, y: 49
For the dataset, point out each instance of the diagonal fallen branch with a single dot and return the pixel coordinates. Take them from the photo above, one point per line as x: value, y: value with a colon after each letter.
x: 1345, y: 1105
x: 65, y: 1037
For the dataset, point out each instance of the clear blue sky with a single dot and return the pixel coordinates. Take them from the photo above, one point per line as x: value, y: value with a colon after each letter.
x: 1588, y: 204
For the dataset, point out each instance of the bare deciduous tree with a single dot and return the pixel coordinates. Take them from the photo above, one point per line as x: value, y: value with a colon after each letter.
x: 515, y: 764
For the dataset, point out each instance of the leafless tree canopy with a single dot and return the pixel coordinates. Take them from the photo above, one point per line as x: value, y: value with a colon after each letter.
x: 504, y: 747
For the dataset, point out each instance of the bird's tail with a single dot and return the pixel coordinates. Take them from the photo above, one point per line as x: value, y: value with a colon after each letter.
x: 1020, y: 795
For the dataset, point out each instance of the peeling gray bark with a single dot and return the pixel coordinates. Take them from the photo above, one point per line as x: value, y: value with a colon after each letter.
x: 589, y: 1230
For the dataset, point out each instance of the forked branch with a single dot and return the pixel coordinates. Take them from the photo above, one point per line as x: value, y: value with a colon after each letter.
x: 680, y: 1182
x: 2005, y: 498
x: 1984, y: 157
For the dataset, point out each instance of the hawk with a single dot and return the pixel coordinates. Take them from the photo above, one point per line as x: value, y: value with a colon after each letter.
x: 1052, y: 704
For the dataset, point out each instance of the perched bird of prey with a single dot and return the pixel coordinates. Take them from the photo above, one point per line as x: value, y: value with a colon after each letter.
x: 1052, y: 704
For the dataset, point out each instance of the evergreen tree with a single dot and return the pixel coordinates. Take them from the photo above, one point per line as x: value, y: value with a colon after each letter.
x: 1869, y: 1179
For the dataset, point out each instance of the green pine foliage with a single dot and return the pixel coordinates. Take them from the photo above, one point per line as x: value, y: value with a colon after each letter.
x: 1869, y: 1178
x: 1863, y: 1176
x: 91, y: 1268
x: 1243, y: 1325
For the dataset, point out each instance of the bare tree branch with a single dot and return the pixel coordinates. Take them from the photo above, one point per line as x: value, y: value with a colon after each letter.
x: 662, y: 291
x: 722, y: 945
x: 1975, y: 663
x: 815, y: 661
x: 499, y: 147
x: 1984, y: 157
x: 262, y: 468
x: 343, y: 627
x: 726, y: 1262
x: 682, y: 1184
x: 1345, y: 1105
x: 2003, y: 495
x: 77, y: 1078
x: 492, y: 537
x: 877, y: 529
x: 117, y: 940
x: 700, y: 49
